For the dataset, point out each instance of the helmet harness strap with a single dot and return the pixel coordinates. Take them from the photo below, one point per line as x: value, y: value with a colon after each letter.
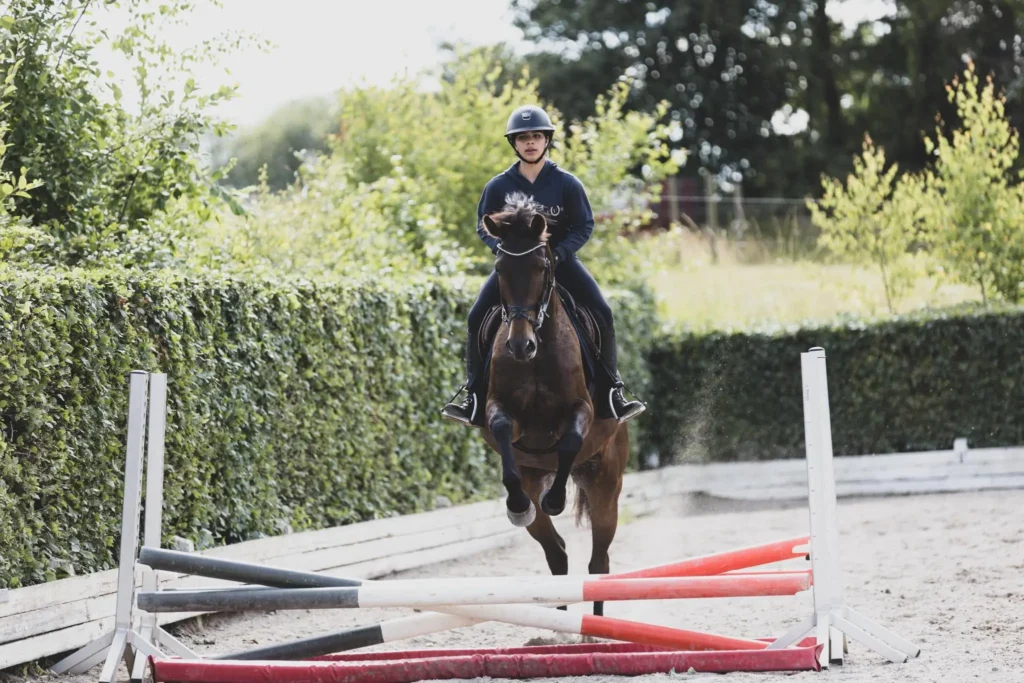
x: 547, y: 145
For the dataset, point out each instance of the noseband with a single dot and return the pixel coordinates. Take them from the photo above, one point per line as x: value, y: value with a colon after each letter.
x: 510, y: 313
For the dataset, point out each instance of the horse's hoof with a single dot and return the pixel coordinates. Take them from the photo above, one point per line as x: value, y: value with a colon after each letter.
x: 548, y: 507
x: 523, y: 518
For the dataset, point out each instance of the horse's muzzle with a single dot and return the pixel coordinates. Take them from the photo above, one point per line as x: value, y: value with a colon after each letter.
x: 523, y: 349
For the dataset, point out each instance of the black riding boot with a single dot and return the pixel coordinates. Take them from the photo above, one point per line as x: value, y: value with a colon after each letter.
x: 471, y: 410
x: 620, y: 408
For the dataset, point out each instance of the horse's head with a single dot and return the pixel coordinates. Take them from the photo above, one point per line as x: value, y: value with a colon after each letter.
x: 526, y: 272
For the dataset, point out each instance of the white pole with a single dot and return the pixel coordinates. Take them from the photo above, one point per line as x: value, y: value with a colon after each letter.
x: 129, y: 525
x: 822, y: 499
x: 154, y: 509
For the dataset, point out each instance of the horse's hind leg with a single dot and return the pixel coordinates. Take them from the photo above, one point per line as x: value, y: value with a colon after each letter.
x: 601, y: 484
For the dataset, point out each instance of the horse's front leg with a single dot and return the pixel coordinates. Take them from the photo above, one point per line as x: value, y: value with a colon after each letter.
x: 552, y: 500
x: 521, y: 511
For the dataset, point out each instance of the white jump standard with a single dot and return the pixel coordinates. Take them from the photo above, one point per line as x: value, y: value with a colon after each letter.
x: 831, y: 617
x: 128, y: 640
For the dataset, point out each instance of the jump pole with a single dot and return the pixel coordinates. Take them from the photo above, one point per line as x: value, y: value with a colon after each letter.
x: 423, y: 624
x: 522, y: 615
x: 831, y: 617
x: 491, y: 591
x: 729, y: 561
x: 516, y: 663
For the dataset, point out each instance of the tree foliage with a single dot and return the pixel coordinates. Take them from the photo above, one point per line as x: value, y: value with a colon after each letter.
x: 120, y: 173
x: 17, y: 238
x: 898, y: 68
x: 281, y: 143
x: 718, y: 65
x: 451, y: 141
x: 872, y: 219
x: 964, y: 208
x: 733, y: 74
x: 976, y: 226
x: 399, y: 188
x: 328, y: 226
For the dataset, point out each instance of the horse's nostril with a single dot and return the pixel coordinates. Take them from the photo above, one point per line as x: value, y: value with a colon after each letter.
x: 530, y: 346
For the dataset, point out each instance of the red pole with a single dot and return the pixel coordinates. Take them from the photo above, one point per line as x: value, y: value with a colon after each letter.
x: 719, y: 563
x: 664, y: 636
x: 695, y: 587
x: 485, y: 664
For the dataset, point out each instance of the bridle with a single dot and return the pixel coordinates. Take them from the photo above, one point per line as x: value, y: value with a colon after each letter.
x: 510, y: 313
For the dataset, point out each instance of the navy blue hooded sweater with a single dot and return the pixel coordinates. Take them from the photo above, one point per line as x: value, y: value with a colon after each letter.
x: 563, y: 202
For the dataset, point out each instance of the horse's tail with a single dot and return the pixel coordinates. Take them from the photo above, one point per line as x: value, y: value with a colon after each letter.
x: 582, y: 505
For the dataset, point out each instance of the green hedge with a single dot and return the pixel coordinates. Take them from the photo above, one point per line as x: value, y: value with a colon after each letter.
x: 291, y: 404
x: 914, y: 383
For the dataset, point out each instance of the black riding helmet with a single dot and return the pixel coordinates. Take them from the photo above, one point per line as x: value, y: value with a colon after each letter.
x: 526, y: 118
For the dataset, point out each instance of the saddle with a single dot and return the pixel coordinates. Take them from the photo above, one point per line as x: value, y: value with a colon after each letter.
x: 587, y: 332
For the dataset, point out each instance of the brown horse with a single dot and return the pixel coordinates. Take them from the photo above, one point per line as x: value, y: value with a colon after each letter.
x: 539, y: 413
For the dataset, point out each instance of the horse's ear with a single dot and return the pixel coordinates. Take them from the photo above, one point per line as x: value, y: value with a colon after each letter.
x: 492, y: 228
x: 539, y: 228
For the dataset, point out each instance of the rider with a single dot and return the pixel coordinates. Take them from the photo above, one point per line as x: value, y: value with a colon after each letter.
x: 565, y: 205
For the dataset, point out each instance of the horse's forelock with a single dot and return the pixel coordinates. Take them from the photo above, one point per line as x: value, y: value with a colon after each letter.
x: 518, y: 215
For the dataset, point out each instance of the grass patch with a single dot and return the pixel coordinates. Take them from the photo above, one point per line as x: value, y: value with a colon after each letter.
x: 734, y: 292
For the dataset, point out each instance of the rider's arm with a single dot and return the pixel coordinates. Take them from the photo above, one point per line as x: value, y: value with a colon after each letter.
x: 486, y: 205
x: 581, y: 219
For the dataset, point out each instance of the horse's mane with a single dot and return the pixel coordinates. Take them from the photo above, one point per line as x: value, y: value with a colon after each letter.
x: 517, y: 218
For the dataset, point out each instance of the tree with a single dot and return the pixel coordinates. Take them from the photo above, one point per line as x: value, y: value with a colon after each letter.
x: 975, y: 221
x: 399, y: 188
x: 728, y: 68
x: 874, y: 219
x: 897, y: 68
x: 280, y: 142
x: 17, y: 239
x: 724, y: 68
x: 119, y: 183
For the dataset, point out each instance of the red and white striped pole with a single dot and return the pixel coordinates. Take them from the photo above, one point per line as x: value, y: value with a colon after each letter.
x: 499, y: 590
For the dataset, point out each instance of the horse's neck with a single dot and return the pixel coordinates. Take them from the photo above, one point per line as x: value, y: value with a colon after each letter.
x: 553, y: 373
x: 558, y: 330
x: 557, y: 315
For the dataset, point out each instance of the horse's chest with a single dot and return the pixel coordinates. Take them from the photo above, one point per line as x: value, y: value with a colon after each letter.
x: 535, y: 394
x: 532, y: 394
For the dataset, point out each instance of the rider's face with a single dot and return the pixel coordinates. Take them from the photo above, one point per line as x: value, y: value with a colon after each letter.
x: 531, y: 145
